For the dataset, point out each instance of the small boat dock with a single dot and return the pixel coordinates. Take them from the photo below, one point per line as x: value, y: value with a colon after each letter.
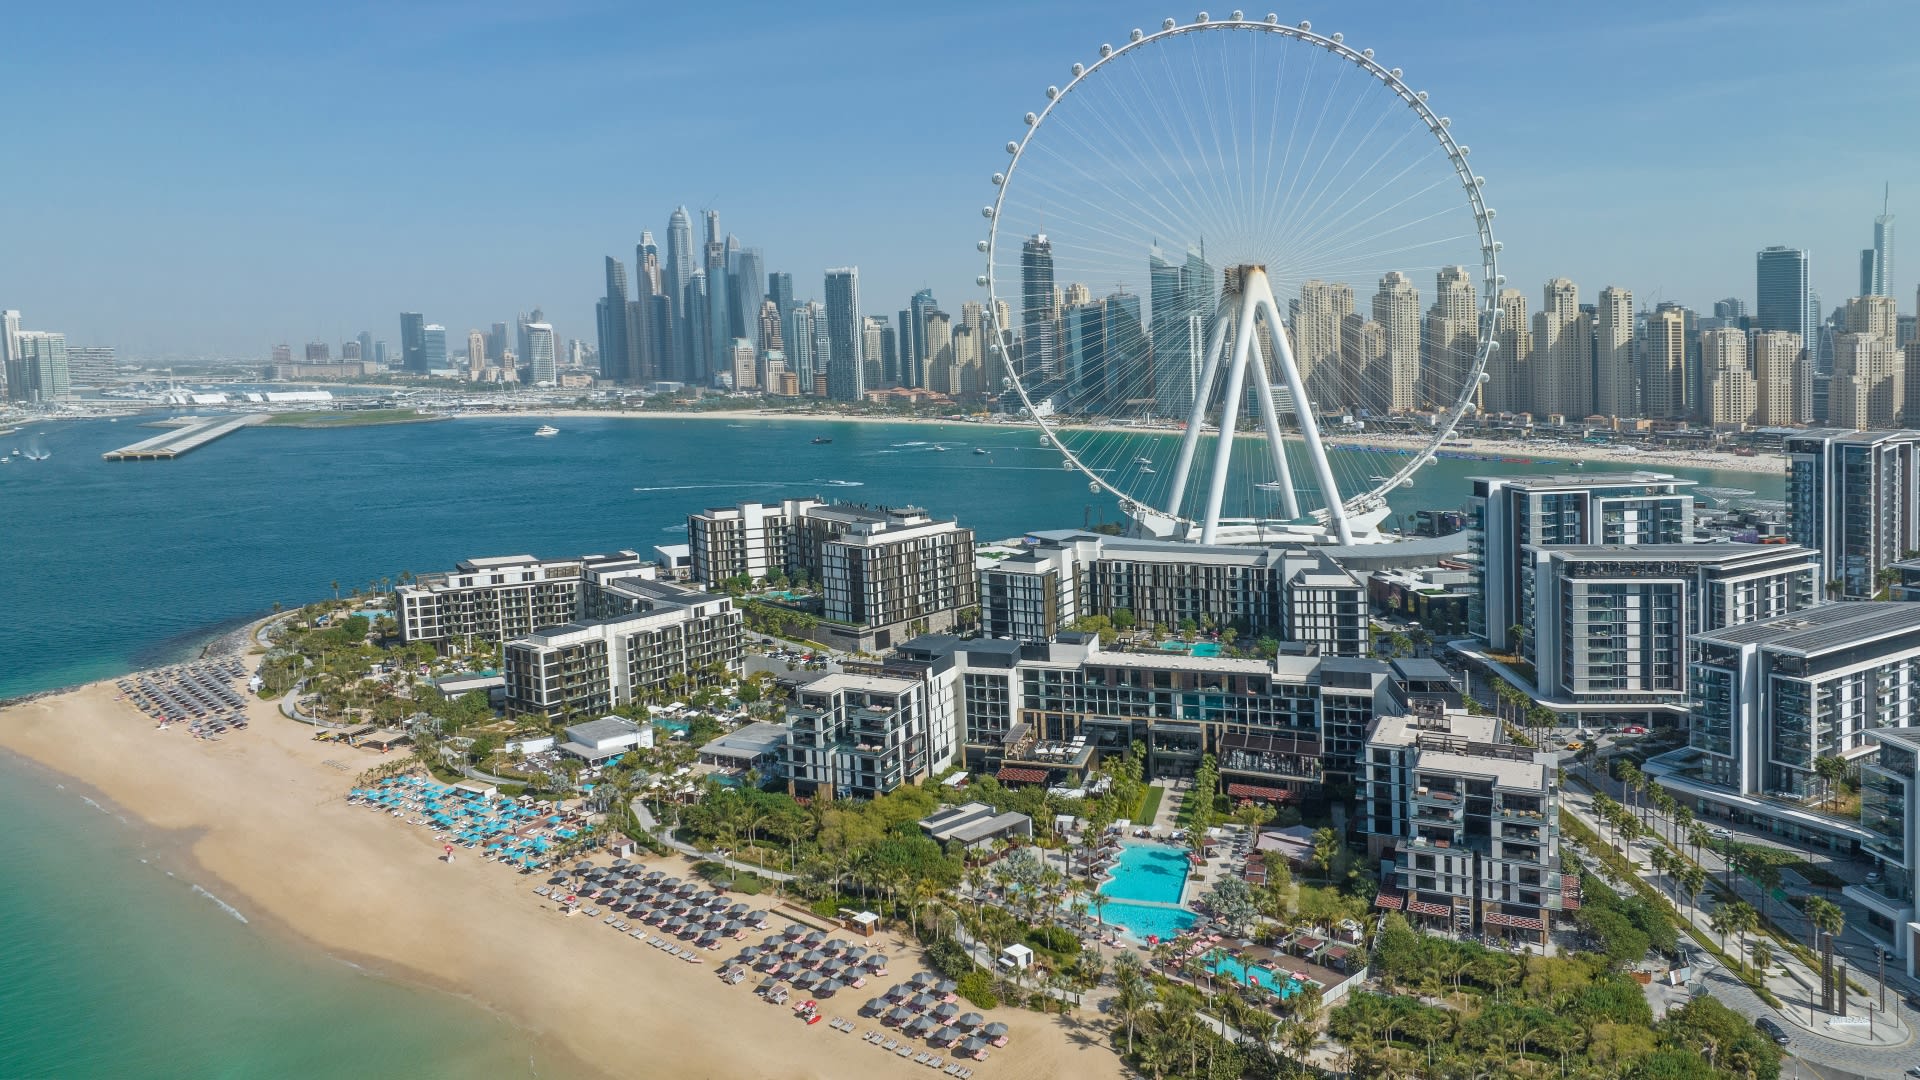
x: 197, y: 433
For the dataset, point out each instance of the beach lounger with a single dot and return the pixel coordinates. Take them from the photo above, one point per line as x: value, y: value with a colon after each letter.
x: 890, y: 1044
x: 904, y: 1051
x: 921, y: 1058
x: 936, y: 1062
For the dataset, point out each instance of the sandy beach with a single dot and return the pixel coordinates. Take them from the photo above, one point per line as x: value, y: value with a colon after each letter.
x: 1613, y: 457
x: 264, y: 815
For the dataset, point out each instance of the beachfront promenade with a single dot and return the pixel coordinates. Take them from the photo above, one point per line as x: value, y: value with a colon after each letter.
x: 194, y: 435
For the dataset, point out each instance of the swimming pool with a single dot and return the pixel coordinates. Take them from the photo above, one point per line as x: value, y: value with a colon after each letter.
x: 1231, y: 967
x: 1156, y: 873
x: 1149, y: 920
x: 1198, y: 648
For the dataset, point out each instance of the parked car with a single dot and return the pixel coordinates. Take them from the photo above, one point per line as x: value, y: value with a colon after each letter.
x: 1772, y: 1029
x: 1873, y: 877
x: 1719, y: 832
x: 1633, y: 729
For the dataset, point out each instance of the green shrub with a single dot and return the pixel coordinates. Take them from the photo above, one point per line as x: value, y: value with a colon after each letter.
x: 977, y: 987
x: 950, y: 958
x: 1055, y: 941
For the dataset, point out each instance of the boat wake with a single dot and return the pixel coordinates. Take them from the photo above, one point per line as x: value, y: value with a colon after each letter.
x: 221, y: 904
x: 842, y: 483
x: 910, y: 444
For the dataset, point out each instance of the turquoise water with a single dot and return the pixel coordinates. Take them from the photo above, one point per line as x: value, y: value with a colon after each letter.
x: 185, y: 548
x: 1144, y: 920
x: 113, y: 969
x: 116, y: 967
x: 1155, y: 873
x: 1231, y: 967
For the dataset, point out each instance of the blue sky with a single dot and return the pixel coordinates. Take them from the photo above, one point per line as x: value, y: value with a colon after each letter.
x: 213, y: 179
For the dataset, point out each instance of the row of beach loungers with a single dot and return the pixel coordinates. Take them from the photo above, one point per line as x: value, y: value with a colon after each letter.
x: 199, y: 694
x: 515, y: 833
x: 811, y: 961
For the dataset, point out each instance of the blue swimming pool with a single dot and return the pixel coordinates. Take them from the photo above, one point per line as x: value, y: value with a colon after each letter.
x: 1148, y: 920
x: 1156, y: 873
x: 1198, y: 648
x: 1231, y: 967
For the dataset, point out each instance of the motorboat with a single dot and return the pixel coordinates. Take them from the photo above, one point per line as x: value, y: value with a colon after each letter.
x: 818, y: 439
x: 980, y: 450
x: 546, y: 431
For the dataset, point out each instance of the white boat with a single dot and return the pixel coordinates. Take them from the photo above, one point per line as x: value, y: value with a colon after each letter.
x: 546, y: 431
x: 1270, y: 485
x: 939, y: 449
x: 1146, y: 468
x: 1143, y: 461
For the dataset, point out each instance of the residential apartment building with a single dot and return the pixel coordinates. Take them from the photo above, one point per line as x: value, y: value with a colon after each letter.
x: 860, y: 736
x: 635, y: 636
x: 751, y: 540
x: 492, y: 599
x: 1851, y: 497
x: 1509, y: 514
x: 1293, y: 593
x: 1770, y: 698
x: 1610, y: 623
x: 1466, y: 827
x: 883, y: 572
x: 1890, y: 812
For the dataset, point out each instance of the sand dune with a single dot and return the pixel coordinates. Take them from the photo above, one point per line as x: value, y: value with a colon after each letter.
x: 269, y: 821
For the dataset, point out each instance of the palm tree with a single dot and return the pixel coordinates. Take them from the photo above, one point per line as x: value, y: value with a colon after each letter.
x: 1824, y: 915
x: 1692, y: 878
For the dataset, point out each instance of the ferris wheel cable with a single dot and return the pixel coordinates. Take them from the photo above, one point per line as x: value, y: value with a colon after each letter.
x: 1314, y: 190
x: 1355, y: 182
x: 1313, y: 140
x: 1324, y: 228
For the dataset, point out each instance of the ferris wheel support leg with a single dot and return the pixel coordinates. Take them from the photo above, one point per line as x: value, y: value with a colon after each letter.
x: 1229, y: 415
x: 1258, y: 292
x: 1197, y: 415
x: 1263, y: 389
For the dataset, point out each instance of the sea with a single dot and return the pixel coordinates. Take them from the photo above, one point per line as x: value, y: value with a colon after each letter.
x: 117, y: 963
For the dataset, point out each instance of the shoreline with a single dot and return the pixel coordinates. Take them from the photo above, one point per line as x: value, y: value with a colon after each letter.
x: 262, y: 819
x: 1492, y: 451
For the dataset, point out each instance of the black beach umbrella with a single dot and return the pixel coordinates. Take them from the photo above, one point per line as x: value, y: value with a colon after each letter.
x: 994, y: 1031
x: 971, y: 1020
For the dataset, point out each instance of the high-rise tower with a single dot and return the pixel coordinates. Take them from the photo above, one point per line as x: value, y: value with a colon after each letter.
x: 1039, y: 332
x: 1614, y: 376
x: 616, y: 362
x: 413, y: 355
x: 1562, y: 380
x: 1876, y: 262
x: 845, y: 361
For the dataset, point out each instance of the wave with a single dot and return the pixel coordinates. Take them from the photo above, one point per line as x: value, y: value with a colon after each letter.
x: 221, y: 904
x: 700, y: 487
x: 916, y: 443
x: 843, y: 483
x: 675, y: 528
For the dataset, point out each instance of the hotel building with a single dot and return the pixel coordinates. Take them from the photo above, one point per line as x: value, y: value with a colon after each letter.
x: 1294, y: 593
x: 1046, y: 712
x: 860, y: 736
x: 1466, y: 827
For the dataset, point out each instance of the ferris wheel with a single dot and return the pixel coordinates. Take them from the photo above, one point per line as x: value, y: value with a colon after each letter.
x: 1235, y: 225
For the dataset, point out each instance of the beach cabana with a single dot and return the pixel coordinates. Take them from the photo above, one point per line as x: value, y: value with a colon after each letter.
x: 974, y: 1046
x: 828, y: 987
x: 997, y: 1033
x: 922, y: 1002
x: 920, y: 1025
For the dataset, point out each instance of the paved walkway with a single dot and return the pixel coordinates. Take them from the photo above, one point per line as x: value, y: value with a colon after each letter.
x: 1866, y: 1042
x: 665, y: 836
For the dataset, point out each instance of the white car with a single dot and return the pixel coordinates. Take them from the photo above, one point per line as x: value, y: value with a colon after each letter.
x: 1719, y: 832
